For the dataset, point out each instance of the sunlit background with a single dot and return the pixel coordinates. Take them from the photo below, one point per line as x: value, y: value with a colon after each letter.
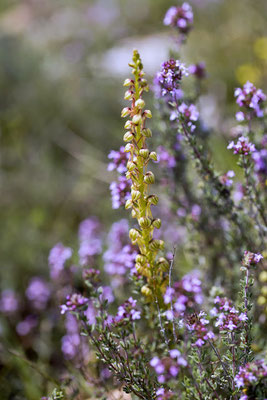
x: 62, y: 64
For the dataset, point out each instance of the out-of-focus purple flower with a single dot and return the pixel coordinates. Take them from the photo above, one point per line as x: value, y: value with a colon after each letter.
x: 226, y: 179
x: 185, y: 295
x: 250, y: 99
x: 119, y: 160
x: 8, y: 302
x: 188, y: 114
x: 90, y: 240
x: 168, y: 368
x: 180, y: 18
x: 73, y: 303
x: 107, y: 294
x: 120, y: 192
x: 164, y: 394
x: 251, y: 374
x: 199, y: 70
x: 260, y: 161
x: 24, y: 327
x: 120, y: 255
x: 167, y: 81
x: 38, y: 293
x: 58, y: 255
x: 165, y: 159
x: 243, y: 146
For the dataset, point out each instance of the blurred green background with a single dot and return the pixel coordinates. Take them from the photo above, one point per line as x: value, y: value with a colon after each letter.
x: 62, y: 63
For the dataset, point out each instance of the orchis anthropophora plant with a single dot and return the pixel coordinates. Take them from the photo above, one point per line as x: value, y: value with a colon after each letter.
x: 147, y: 262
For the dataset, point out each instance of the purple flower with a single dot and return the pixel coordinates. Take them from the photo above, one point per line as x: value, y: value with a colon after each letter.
x: 251, y: 259
x: 120, y: 255
x: 226, y: 179
x: 168, y: 79
x: 58, y: 255
x: 90, y: 240
x: 24, y: 327
x: 8, y: 302
x: 243, y: 146
x: 73, y: 303
x: 180, y: 18
x: 199, y: 70
x: 251, y: 374
x: 187, y: 114
x: 38, y: 293
x: 260, y: 160
x: 250, y: 99
x: 165, y: 159
x: 119, y: 160
x: 127, y: 311
x: 120, y: 192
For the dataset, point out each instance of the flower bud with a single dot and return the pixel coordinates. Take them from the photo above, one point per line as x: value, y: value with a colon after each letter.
x: 149, y: 178
x: 128, y: 204
x: 163, y: 264
x: 127, y: 82
x: 143, y: 83
x: 156, y: 244
x: 147, y: 132
x: 144, y: 222
x: 140, y: 103
x: 128, y: 136
x: 125, y: 111
x: 146, y: 290
x: 128, y: 175
x: 136, y: 119
x: 128, y: 124
x: 144, y: 153
x: 129, y: 147
x: 128, y: 95
x: 134, y: 234
x: 139, y: 268
x: 135, y: 195
x: 153, y: 199
x: 140, y: 259
x: 157, y: 223
x: 130, y: 166
x: 148, y: 113
x: 134, y: 214
x: 153, y: 156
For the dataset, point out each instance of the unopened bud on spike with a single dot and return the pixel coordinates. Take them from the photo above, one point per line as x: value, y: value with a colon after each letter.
x: 153, y: 199
x: 157, y: 223
x: 146, y: 290
x: 134, y: 214
x: 128, y: 136
x: 153, y: 156
x: 128, y: 204
x: 128, y: 95
x: 144, y: 222
x: 135, y: 195
x: 134, y: 234
x: 140, y: 259
x: 148, y: 113
x: 144, y: 153
x: 147, y: 133
x: 155, y: 244
x: 139, y: 268
x: 140, y: 103
x: 163, y: 263
x: 130, y: 166
x: 136, y: 119
x: 125, y: 111
x: 129, y: 147
x: 128, y: 124
x: 127, y: 82
x: 149, y: 178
